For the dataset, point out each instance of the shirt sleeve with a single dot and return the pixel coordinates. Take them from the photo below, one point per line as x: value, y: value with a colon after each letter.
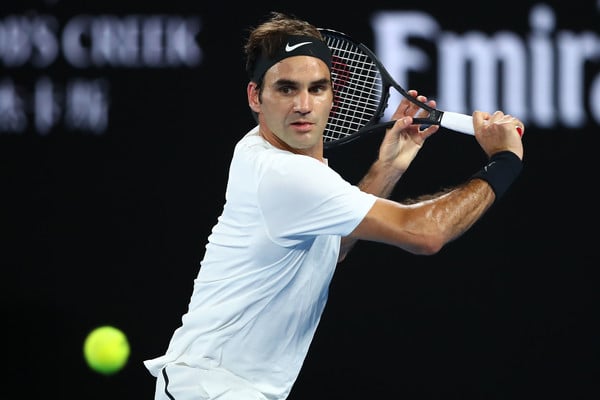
x: 300, y: 197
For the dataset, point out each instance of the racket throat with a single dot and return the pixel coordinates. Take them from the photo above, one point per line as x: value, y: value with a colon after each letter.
x: 434, y: 118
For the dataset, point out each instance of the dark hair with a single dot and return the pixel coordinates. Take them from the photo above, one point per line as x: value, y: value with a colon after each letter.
x: 268, y: 37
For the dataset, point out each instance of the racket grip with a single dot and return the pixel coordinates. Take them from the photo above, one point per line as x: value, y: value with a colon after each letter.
x: 457, y: 122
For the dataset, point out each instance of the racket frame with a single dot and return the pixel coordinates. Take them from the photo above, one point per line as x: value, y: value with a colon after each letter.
x: 434, y: 116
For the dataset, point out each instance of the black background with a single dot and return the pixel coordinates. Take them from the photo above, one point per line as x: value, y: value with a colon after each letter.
x: 110, y: 229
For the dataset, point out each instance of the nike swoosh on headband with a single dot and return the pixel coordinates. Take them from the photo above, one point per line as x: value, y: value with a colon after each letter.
x: 289, y: 48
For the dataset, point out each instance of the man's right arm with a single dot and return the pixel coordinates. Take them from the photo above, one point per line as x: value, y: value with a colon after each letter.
x: 426, y: 226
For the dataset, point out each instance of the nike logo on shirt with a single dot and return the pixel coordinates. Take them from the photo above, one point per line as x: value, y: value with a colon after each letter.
x: 289, y: 48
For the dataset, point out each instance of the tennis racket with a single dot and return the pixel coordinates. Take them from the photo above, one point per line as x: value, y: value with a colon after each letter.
x: 361, y: 88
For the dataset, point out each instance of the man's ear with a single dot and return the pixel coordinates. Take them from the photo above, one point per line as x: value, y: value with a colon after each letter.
x: 253, y: 92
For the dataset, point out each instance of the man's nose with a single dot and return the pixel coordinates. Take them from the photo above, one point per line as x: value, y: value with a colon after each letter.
x: 303, y: 102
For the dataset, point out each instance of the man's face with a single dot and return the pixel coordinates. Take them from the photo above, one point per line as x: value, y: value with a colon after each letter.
x: 296, y: 99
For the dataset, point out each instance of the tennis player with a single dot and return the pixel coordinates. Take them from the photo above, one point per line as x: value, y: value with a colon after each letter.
x: 289, y: 219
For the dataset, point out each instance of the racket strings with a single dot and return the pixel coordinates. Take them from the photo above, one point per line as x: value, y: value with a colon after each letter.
x: 358, y: 90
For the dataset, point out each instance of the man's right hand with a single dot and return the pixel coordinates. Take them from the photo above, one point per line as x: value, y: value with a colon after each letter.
x: 498, y: 132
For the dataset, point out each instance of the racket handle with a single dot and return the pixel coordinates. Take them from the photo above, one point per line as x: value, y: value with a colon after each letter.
x: 457, y: 122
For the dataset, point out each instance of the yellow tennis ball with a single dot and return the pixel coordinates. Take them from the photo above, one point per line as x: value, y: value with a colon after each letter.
x: 106, y: 349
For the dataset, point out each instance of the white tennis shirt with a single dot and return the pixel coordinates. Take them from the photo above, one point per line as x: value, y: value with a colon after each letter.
x: 269, y: 261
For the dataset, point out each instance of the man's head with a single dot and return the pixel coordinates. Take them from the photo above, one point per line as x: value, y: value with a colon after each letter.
x: 290, y: 89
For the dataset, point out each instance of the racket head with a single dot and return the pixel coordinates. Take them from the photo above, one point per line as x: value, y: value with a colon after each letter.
x: 360, y: 93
